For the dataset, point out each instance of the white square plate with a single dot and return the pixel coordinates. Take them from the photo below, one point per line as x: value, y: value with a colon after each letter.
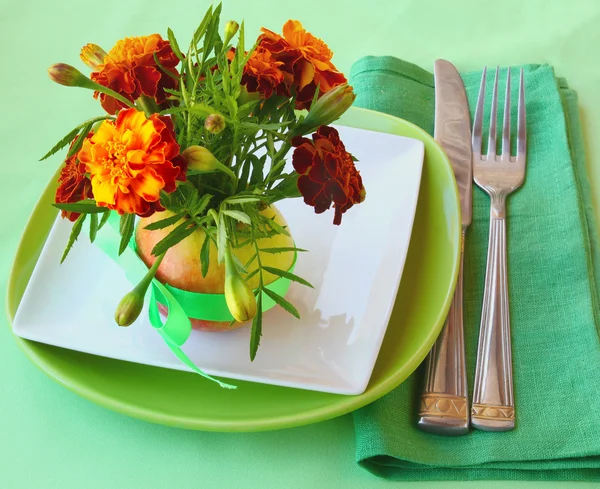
x: 355, y: 269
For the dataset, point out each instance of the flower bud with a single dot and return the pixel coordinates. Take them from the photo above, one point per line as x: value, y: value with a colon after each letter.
x: 129, y: 308
x: 327, y: 109
x: 64, y: 74
x: 200, y: 159
x: 92, y: 55
x: 238, y: 294
x: 132, y: 303
x: 214, y: 123
x: 231, y: 28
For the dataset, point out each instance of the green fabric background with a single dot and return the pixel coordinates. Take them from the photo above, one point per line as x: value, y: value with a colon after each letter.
x: 552, y: 290
x: 51, y: 438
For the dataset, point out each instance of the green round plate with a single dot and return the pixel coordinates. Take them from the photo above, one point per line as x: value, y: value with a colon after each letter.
x: 179, y: 399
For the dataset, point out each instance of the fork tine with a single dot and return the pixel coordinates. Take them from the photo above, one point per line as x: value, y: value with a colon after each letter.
x: 506, y: 125
x: 521, y: 126
x: 478, y: 120
x: 493, y: 118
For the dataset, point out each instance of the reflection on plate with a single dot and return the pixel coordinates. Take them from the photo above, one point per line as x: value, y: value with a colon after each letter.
x: 180, y: 398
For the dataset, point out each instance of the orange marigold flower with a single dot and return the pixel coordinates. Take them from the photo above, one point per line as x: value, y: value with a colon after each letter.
x: 73, y: 185
x: 131, y: 160
x: 327, y: 174
x: 130, y: 70
x: 307, y: 61
x: 262, y: 73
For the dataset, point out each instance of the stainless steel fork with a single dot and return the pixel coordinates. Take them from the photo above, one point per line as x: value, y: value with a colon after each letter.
x: 493, y: 406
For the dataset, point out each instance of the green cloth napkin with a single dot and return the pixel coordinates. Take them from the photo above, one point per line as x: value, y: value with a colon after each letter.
x: 553, y: 269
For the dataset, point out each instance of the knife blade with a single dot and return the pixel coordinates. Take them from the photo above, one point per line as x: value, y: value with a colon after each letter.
x: 444, y: 403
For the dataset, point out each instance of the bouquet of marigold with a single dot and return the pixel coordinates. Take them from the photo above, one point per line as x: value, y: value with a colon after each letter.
x: 190, y: 156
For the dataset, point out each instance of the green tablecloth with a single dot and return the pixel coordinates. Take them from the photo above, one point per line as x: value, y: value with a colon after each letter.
x: 49, y: 437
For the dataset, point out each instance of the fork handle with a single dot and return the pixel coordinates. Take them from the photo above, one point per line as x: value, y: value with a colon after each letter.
x: 493, y: 401
x: 444, y: 406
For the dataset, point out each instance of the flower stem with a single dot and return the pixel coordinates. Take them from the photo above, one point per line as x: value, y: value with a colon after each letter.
x: 147, y: 104
x: 145, y: 282
x: 85, y: 82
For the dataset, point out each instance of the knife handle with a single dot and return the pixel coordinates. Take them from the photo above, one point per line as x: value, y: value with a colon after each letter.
x: 444, y: 405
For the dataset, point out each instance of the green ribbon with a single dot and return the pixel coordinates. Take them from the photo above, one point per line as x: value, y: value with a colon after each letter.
x: 181, y: 304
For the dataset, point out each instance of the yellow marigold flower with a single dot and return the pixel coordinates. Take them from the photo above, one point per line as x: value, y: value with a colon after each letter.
x: 131, y: 160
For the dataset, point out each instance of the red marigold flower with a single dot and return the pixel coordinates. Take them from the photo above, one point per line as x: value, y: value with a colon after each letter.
x: 306, y: 61
x: 130, y: 70
x: 73, y: 185
x: 262, y: 73
x: 131, y: 160
x: 327, y: 174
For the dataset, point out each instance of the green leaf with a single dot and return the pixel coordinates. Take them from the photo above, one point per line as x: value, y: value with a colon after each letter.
x: 93, y: 227
x: 178, y: 234
x: 163, y: 223
x: 202, y: 27
x: 202, y: 109
x: 238, y: 215
x: 250, y: 52
x: 163, y: 69
x: 221, y: 238
x: 215, y: 217
x: 232, y: 106
x: 126, y: 227
x: 242, y: 200
x: 275, y: 226
x: 104, y: 220
x: 83, y: 207
x: 69, y: 137
x: 205, y: 255
x: 289, y: 275
x: 170, y: 91
x: 201, y: 206
x: 258, y: 165
x: 251, y: 260
x: 192, y: 200
x: 243, y: 180
x: 240, y: 52
x: 212, y: 33
x: 315, y: 96
x: 246, y: 109
x: 281, y: 249
x: 82, y: 135
x: 276, y: 170
x: 256, y: 328
x: 241, y: 244
x: 282, y: 302
x: 75, y: 231
x: 62, y: 143
x: 286, y: 189
x: 174, y: 44
x: 173, y: 110
x: 265, y: 127
x: 241, y: 267
x: 251, y: 274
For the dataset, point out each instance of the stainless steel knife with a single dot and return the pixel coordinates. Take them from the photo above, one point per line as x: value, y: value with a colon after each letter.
x: 444, y: 408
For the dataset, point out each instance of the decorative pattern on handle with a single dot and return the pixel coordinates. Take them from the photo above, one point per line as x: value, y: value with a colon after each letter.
x: 493, y: 402
x: 490, y: 412
x: 444, y: 406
